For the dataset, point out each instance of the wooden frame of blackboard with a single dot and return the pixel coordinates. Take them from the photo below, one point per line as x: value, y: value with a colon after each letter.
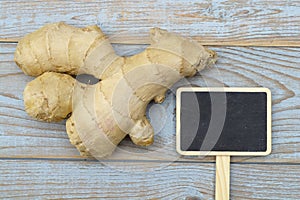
x: 223, y: 89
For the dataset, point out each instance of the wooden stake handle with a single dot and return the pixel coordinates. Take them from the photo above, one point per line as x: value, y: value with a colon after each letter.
x: 222, y: 178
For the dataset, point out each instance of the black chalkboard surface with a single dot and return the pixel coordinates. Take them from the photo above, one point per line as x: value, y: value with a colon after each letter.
x: 223, y: 121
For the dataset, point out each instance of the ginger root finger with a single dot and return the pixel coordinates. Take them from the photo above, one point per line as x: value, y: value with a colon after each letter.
x: 49, y: 96
x: 75, y: 139
x: 56, y: 47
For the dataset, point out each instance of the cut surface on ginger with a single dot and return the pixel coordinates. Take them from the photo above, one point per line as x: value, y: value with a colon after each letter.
x: 104, y: 112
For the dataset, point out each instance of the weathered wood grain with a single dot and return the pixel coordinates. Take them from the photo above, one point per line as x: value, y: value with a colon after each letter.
x: 228, y: 22
x: 23, y: 179
x: 37, y: 161
x: 275, y: 68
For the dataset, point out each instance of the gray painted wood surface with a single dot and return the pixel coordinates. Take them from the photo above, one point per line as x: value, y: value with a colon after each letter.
x: 37, y: 161
x: 40, y: 179
x: 226, y: 22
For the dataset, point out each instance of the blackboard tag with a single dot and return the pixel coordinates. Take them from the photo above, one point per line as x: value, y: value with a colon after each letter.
x: 223, y: 121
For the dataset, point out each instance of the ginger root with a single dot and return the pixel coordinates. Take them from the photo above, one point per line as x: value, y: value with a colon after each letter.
x: 103, y: 113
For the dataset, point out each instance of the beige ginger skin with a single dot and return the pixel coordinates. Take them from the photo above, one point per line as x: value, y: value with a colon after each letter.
x: 104, y: 113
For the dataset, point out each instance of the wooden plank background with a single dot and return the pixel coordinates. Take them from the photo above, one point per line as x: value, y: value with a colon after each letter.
x: 258, y: 45
x: 226, y: 22
x: 81, y: 179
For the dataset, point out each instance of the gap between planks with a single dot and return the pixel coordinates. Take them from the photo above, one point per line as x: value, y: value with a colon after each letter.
x: 202, y: 41
x: 80, y: 159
